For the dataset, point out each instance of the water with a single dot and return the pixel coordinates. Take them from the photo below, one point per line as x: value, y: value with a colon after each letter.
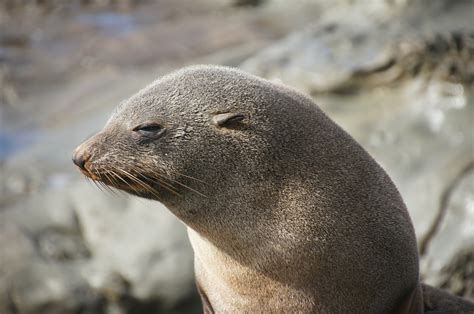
x: 12, y: 142
x: 110, y: 23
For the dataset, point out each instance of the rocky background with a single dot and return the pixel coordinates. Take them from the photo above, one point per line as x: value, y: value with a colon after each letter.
x: 398, y: 75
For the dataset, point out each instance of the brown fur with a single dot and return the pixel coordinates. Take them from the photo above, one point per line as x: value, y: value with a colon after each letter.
x: 286, y: 212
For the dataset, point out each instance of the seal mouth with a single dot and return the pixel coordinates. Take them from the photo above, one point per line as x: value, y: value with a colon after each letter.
x: 140, y: 182
x: 89, y: 174
x: 135, y: 183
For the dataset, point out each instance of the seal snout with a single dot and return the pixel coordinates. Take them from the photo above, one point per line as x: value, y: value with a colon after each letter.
x: 80, y: 157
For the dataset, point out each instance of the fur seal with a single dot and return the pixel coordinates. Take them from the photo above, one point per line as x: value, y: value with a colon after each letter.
x: 285, y: 211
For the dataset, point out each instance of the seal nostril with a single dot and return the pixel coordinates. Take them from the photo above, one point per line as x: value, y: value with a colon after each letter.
x: 80, y: 159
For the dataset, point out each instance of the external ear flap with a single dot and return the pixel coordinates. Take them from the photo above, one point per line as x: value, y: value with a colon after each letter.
x: 228, y: 119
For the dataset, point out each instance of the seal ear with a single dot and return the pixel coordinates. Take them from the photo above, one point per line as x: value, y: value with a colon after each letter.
x: 228, y: 119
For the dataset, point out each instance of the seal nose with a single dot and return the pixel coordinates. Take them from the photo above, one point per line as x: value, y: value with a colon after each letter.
x: 80, y: 158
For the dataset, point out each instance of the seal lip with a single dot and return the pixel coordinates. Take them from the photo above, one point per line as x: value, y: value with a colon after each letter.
x: 90, y: 175
x: 136, y: 181
x: 134, y: 185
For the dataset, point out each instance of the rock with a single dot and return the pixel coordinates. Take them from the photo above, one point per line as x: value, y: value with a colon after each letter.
x: 253, y: 3
x: 13, y: 256
x: 342, y: 52
x: 449, y: 255
x: 60, y: 246
x: 108, y: 252
x: 139, y: 240
x: 29, y: 283
x: 52, y: 289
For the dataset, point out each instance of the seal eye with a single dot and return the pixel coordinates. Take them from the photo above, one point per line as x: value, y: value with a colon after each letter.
x: 228, y: 119
x: 149, y: 129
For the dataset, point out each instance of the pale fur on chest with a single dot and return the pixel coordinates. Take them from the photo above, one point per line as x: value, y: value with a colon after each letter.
x: 235, y: 288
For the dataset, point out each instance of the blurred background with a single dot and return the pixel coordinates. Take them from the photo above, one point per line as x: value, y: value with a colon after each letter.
x: 398, y: 75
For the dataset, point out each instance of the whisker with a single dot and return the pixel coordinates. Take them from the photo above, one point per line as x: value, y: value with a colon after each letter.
x: 192, y: 178
x: 161, y: 177
x: 115, y: 181
x: 145, y: 170
x: 182, y: 184
x: 141, y: 183
x: 107, y: 187
x: 110, y: 189
x: 166, y: 185
x: 113, y: 177
x: 104, y: 187
x: 126, y: 183
x: 106, y: 176
x: 97, y: 185
x: 190, y: 188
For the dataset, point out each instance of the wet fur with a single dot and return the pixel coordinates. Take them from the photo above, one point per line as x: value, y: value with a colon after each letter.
x: 286, y: 212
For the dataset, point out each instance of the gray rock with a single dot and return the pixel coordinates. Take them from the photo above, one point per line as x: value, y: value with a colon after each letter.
x: 139, y: 240
x: 375, y: 44
x: 46, y: 288
x: 449, y: 256
x: 107, y: 252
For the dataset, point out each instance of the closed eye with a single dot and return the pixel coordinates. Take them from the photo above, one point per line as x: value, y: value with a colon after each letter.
x: 149, y: 129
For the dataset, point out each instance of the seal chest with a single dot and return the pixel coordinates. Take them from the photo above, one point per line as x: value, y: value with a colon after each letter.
x: 285, y: 211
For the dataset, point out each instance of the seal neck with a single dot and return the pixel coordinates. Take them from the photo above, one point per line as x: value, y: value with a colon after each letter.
x: 234, y: 286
